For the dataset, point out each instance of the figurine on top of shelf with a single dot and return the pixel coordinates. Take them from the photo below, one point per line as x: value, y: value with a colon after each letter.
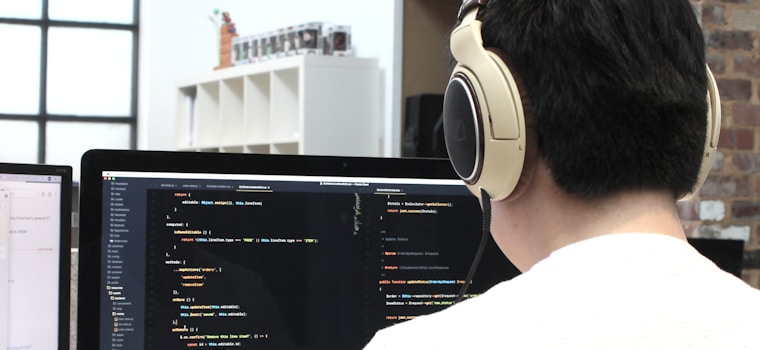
x: 226, y: 31
x: 230, y: 26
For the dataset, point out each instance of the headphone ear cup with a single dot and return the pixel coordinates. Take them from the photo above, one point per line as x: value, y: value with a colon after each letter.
x: 484, y: 127
x: 462, y: 127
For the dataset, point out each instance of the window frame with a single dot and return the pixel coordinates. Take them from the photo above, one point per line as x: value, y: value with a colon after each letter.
x: 43, y: 117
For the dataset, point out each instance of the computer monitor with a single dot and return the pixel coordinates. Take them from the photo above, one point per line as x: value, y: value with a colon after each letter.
x: 228, y: 251
x: 35, y: 256
x: 728, y: 254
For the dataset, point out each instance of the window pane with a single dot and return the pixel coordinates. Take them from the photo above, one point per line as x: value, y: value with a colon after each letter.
x: 31, y: 9
x: 20, y: 72
x: 89, y: 72
x: 19, y: 141
x: 111, y: 11
x: 67, y: 141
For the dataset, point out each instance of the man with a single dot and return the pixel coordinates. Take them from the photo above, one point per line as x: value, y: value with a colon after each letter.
x: 611, y: 130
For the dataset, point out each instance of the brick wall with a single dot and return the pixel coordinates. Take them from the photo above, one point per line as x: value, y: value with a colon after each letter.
x: 729, y: 203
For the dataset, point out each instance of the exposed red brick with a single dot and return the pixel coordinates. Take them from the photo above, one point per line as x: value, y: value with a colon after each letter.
x: 735, y: 89
x: 729, y: 185
x: 746, y: 114
x: 730, y: 40
x: 713, y: 15
x: 745, y: 210
x: 747, y: 65
x: 745, y: 139
x: 736, y: 138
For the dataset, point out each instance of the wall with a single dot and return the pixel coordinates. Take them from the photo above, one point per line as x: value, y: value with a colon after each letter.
x: 426, y: 59
x: 177, y: 40
x: 729, y: 203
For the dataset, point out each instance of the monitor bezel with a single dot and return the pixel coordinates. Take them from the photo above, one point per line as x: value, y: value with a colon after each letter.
x: 94, y: 162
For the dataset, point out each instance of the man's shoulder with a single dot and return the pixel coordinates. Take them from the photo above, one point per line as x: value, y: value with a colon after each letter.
x: 445, y: 329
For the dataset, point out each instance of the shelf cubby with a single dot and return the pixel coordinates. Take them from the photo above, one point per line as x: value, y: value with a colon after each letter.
x: 311, y: 104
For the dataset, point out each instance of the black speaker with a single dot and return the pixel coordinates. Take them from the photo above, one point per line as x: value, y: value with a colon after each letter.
x: 423, y: 127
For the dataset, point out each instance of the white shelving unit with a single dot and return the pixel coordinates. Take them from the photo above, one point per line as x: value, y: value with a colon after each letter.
x: 319, y: 105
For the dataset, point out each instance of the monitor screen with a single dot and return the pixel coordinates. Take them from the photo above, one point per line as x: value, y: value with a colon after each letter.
x: 35, y: 256
x: 226, y: 251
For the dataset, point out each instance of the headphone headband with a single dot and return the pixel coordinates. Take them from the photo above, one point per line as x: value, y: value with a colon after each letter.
x: 711, y: 137
x: 469, y: 5
x: 484, y: 121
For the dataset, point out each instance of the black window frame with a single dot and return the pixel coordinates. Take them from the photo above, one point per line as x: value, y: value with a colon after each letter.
x: 43, y: 117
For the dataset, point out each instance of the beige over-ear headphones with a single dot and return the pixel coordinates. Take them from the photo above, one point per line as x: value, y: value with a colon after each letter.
x: 486, y: 141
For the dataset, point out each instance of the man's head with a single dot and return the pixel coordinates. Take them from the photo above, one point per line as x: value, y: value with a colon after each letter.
x: 615, y: 89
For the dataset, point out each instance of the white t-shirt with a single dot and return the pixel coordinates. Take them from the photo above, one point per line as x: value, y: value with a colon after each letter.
x: 619, y: 291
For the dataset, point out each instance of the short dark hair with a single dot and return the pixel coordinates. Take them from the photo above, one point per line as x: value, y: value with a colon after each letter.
x: 617, y: 88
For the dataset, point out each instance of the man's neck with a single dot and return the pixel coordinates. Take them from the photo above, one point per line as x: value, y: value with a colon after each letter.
x: 643, y: 211
x: 545, y: 219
